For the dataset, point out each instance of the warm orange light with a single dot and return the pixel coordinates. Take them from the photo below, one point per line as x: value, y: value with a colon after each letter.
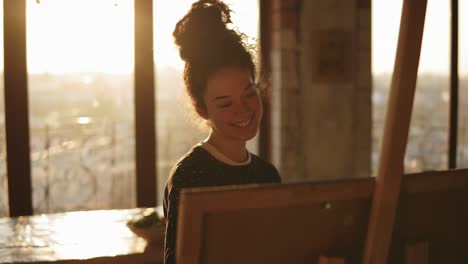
x: 70, y: 36
x: 80, y: 36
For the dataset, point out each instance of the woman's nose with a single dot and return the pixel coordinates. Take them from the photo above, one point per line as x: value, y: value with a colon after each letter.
x: 243, y: 107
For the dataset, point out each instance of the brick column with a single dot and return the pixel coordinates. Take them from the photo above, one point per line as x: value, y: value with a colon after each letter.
x: 286, y: 112
x: 321, y: 90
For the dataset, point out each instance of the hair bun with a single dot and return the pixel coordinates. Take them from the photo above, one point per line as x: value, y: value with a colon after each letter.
x: 202, y: 32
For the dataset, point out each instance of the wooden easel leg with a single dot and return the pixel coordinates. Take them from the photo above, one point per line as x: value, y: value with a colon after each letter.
x: 417, y: 252
x: 389, y: 176
x: 331, y: 260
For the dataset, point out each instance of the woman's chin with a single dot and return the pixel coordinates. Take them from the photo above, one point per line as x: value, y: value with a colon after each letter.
x: 247, y: 134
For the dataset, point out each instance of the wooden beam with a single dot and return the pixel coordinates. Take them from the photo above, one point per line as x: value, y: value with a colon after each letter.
x: 145, y: 128
x: 435, y: 181
x: 16, y: 108
x: 264, y: 138
x: 395, y: 137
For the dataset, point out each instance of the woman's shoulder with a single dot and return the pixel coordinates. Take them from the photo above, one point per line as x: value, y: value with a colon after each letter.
x: 266, y: 168
x: 188, y: 167
x: 194, y: 158
x: 259, y: 161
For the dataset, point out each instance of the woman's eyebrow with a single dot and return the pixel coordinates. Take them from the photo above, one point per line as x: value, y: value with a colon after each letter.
x: 248, y: 86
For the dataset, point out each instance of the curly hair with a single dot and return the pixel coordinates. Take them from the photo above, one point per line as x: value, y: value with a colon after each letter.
x: 207, y: 45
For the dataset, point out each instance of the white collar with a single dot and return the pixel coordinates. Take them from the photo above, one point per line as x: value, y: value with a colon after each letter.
x: 221, y: 157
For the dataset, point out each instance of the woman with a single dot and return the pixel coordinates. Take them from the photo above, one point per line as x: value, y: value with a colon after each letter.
x: 219, y: 77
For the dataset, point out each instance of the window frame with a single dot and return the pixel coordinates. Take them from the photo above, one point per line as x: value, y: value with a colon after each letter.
x: 17, y: 113
x: 454, y: 86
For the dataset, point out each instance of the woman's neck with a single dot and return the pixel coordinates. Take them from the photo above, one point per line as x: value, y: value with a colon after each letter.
x: 232, y: 149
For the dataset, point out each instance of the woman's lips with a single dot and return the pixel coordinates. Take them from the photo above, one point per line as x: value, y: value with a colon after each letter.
x: 243, y: 123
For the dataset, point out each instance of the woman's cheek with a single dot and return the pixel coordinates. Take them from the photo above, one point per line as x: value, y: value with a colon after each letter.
x: 258, y: 103
x: 223, y: 115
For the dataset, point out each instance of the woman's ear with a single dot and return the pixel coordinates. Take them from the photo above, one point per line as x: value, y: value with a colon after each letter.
x: 201, y: 111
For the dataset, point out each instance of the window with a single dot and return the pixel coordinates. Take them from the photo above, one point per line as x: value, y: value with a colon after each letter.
x: 80, y: 80
x: 80, y: 73
x: 177, y: 124
x: 462, y: 159
x: 427, y: 146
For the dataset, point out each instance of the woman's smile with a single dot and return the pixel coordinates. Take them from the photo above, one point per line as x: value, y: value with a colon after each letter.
x: 243, y: 123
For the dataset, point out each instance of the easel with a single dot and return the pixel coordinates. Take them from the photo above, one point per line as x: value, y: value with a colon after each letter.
x: 430, y: 221
x: 391, y: 169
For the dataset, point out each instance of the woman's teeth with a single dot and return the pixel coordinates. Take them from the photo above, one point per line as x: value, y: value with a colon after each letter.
x: 242, y: 123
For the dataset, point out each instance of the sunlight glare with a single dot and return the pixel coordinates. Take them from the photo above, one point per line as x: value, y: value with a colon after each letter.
x: 98, y: 35
x: 80, y: 36
x: 436, y: 39
x: 83, y: 120
x: 98, y: 222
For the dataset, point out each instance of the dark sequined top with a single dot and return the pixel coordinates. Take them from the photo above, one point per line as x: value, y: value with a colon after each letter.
x: 198, y: 168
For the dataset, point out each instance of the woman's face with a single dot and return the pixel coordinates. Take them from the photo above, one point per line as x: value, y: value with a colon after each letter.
x: 233, y: 105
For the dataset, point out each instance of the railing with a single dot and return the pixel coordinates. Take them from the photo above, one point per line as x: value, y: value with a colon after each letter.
x: 92, y: 166
x: 80, y: 167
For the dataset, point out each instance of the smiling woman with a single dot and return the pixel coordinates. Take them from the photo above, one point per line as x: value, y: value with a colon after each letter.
x: 178, y: 127
x: 219, y: 78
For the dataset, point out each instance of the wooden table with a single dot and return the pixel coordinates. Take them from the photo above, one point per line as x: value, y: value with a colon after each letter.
x: 75, y: 237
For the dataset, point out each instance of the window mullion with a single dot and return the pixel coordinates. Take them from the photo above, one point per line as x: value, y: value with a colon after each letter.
x: 16, y: 108
x: 145, y: 105
x: 453, y: 125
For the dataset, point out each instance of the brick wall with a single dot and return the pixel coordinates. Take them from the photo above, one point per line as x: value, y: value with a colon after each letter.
x: 321, y: 89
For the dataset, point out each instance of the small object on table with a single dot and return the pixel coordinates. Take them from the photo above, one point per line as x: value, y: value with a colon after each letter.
x: 148, y: 225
